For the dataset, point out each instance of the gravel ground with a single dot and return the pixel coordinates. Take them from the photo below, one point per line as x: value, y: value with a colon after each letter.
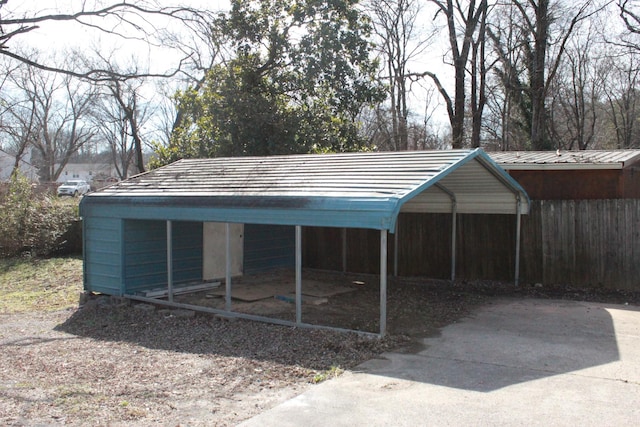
x: 109, y: 363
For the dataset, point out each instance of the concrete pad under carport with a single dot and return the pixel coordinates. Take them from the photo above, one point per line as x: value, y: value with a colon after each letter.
x: 525, y: 362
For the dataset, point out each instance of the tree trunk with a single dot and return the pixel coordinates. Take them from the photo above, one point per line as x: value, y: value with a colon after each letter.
x: 538, y: 81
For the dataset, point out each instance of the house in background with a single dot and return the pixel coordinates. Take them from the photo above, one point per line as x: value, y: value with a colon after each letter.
x: 84, y: 171
x: 7, y: 162
x: 96, y: 174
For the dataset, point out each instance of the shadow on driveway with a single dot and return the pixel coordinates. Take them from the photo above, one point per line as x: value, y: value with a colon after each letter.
x: 504, y: 344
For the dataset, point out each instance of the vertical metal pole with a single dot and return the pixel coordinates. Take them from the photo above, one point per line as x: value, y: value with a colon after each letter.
x: 170, y: 261
x: 383, y: 282
x: 395, y: 250
x: 344, y: 250
x: 227, y: 279
x: 298, y: 274
x: 518, y: 226
x: 454, y: 224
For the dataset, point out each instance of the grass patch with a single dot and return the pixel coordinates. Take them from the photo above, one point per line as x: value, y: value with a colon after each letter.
x: 333, y: 372
x: 28, y: 285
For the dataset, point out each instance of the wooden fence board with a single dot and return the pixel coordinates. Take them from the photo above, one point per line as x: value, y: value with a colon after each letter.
x: 530, y: 244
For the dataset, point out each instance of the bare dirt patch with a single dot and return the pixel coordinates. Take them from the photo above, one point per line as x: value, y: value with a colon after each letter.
x: 109, y: 363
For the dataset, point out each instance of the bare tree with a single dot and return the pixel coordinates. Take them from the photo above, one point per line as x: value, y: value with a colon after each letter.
x: 19, y: 125
x: 121, y: 115
x: 463, y: 21
x: 576, y: 100
x: 539, y: 28
x: 622, y: 93
x: 479, y: 71
x: 507, y: 104
x: 52, y: 112
x: 401, y: 41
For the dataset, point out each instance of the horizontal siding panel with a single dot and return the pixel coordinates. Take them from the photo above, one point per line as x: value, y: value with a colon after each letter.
x: 268, y: 247
x: 99, y: 258
x: 146, y: 253
x: 103, y: 255
x: 103, y: 268
x: 104, y: 236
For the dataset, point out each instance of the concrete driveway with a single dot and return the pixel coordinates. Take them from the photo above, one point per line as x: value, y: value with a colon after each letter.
x: 514, y: 362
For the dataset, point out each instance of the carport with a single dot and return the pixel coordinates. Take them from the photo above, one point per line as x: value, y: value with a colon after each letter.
x: 349, y: 190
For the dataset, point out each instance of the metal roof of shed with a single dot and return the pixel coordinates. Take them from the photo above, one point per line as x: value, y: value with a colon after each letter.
x: 361, y: 190
x: 583, y: 159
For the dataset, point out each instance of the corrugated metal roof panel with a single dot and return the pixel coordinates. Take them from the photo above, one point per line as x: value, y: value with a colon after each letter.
x: 344, y: 175
x: 364, y: 190
x: 593, y: 159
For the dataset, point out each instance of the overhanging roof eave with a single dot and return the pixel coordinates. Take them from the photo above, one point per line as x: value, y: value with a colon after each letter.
x: 373, y: 214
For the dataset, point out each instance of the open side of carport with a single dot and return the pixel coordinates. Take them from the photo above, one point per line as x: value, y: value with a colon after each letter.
x: 128, y: 225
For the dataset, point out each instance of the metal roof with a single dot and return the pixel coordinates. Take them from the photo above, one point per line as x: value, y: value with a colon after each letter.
x: 583, y: 159
x: 362, y: 190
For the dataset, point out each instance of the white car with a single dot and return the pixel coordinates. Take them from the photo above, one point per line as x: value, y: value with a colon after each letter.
x: 74, y: 187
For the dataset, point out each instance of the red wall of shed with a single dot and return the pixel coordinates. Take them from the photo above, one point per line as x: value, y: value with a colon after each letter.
x: 577, y: 184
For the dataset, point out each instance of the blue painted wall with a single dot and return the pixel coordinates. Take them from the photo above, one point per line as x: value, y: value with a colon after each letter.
x: 103, y: 255
x: 145, y: 254
x: 268, y: 246
x: 125, y: 256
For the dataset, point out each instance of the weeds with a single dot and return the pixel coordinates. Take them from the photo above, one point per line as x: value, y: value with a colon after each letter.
x: 28, y: 284
x: 31, y: 223
x: 333, y: 372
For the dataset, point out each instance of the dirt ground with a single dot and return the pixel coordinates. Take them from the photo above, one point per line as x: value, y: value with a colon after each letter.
x: 115, y: 363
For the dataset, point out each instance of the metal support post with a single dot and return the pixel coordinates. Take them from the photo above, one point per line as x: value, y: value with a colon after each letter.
x: 344, y: 250
x: 227, y: 280
x: 454, y: 224
x: 170, y: 260
x: 298, y: 274
x: 518, y: 229
x: 395, y: 250
x: 383, y: 282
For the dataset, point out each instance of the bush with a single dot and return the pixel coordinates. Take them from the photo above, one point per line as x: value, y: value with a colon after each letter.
x: 31, y: 223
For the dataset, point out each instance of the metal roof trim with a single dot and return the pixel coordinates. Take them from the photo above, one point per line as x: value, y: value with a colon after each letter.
x: 562, y: 166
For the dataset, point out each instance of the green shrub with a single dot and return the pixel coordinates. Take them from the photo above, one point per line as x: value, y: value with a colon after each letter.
x: 31, y: 223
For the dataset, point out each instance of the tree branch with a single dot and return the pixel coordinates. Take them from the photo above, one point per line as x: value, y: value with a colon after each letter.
x: 132, y: 16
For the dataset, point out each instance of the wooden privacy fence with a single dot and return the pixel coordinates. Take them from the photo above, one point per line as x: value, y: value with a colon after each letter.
x: 590, y: 242
x: 593, y: 243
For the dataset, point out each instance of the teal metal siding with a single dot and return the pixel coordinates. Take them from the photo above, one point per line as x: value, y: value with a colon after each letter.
x: 267, y: 247
x: 103, y: 255
x: 187, y: 251
x: 145, y: 254
x: 343, y: 212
